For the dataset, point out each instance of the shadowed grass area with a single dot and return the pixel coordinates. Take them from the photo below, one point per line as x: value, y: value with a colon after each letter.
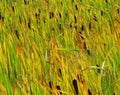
x: 59, y: 47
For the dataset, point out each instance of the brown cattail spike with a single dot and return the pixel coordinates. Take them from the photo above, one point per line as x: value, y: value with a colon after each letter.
x: 75, y: 19
x: 89, y: 92
x: 101, y: 12
x: 118, y: 11
x: 76, y: 7
x: 88, y: 51
x: 58, y: 88
x: 51, y: 15
x: 74, y: 82
x: 82, y: 27
x: 29, y: 24
x: 17, y: 33
x: 50, y: 84
x: 90, y: 26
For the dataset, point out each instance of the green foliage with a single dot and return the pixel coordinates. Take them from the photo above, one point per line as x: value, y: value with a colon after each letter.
x: 59, y: 47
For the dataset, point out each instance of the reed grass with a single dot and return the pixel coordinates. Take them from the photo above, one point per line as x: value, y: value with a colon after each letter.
x: 59, y: 47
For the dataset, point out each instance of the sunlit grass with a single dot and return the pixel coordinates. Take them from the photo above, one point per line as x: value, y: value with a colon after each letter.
x: 64, y: 47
